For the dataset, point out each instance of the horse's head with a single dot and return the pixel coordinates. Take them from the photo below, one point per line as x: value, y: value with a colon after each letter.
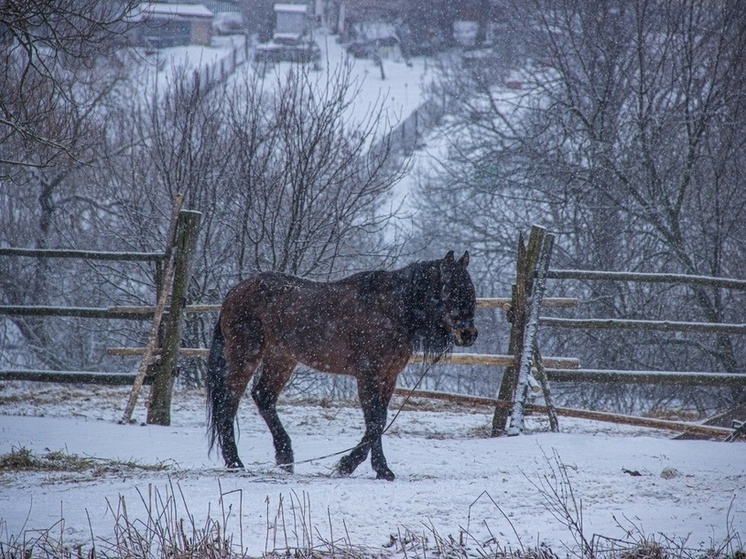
x: 458, y: 299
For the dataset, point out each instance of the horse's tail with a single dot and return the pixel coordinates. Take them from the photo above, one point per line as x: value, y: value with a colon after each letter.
x: 217, y: 388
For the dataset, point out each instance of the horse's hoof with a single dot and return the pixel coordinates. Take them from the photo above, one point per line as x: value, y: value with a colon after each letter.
x: 344, y: 469
x: 386, y: 475
x: 343, y: 472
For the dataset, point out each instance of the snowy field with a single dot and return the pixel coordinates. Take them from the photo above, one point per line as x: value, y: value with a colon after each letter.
x: 451, y: 479
x: 400, y: 93
x: 397, y: 96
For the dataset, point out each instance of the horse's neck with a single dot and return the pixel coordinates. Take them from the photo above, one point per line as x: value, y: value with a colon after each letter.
x: 419, y: 286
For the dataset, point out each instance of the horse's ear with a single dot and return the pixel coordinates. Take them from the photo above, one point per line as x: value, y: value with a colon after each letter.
x: 464, y: 259
x: 445, y: 267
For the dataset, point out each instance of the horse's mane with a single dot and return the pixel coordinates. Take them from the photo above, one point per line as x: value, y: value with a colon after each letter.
x: 423, y: 308
x: 417, y: 295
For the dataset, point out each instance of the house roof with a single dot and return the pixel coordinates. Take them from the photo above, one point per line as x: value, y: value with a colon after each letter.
x: 294, y: 8
x: 287, y: 36
x: 171, y: 11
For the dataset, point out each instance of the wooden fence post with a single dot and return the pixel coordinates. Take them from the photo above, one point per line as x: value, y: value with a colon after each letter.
x: 529, y: 337
x: 525, y: 268
x: 515, y: 316
x: 159, y: 409
x: 544, y: 382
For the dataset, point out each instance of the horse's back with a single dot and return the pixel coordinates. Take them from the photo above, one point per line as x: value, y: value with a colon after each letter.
x: 364, y: 289
x: 328, y: 326
x: 261, y: 289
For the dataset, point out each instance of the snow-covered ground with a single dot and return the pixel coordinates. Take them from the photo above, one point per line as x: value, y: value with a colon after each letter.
x: 400, y: 93
x: 451, y: 479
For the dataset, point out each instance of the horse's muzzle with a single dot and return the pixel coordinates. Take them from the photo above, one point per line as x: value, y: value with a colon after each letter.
x: 465, y: 334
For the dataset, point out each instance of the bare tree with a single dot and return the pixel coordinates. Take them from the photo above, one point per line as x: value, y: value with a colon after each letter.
x: 624, y: 139
x: 310, y: 181
x: 286, y: 177
x: 47, y: 50
x: 56, y: 87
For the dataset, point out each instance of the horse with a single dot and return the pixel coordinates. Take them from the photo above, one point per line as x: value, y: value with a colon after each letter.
x: 366, y: 325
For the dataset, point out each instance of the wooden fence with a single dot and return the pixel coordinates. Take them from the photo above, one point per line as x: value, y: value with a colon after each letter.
x: 532, y: 272
x: 172, y: 272
x: 494, y: 360
x: 663, y: 377
x: 525, y: 368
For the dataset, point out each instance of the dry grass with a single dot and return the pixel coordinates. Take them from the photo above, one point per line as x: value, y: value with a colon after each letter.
x: 169, y: 531
x: 24, y: 460
x: 564, y: 503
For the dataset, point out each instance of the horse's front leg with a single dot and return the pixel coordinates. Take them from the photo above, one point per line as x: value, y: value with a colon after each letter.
x: 378, y: 424
x: 374, y: 396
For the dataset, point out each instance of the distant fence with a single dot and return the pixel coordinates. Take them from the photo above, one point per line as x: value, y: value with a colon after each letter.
x: 214, y: 73
x: 406, y: 136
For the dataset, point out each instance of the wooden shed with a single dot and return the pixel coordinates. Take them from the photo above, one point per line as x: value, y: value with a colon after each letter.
x: 163, y: 24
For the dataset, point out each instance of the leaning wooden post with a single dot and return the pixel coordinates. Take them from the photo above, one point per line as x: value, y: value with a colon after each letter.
x: 525, y: 267
x: 541, y: 374
x: 529, y: 338
x: 159, y: 408
x: 164, y: 286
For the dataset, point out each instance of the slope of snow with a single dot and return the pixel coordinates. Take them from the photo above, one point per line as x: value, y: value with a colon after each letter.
x: 400, y: 93
x: 450, y: 478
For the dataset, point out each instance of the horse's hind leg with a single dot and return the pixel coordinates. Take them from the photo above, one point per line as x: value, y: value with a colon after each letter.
x: 276, y: 371
x: 242, y: 359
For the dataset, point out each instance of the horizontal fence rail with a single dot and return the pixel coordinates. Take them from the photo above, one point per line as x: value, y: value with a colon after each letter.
x: 727, y: 283
x: 646, y: 377
x: 679, y: 426
x: 147, y: 312
x: 84, y: 254
x: 682, y: 378
x: 72, y: 377
x: 548, y: 302
x: 482, y: 303
x: 494, y: 360
x: 629, y: 324
x: 452, y: 359
x: 74, y: 312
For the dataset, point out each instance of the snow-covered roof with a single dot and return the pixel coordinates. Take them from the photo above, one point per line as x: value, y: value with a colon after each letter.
x: 295, y: 8
x: 287, y: 36
x: 163, y: 9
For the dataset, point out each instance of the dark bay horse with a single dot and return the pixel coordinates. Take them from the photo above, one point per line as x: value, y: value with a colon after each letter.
x: 367, y: 326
